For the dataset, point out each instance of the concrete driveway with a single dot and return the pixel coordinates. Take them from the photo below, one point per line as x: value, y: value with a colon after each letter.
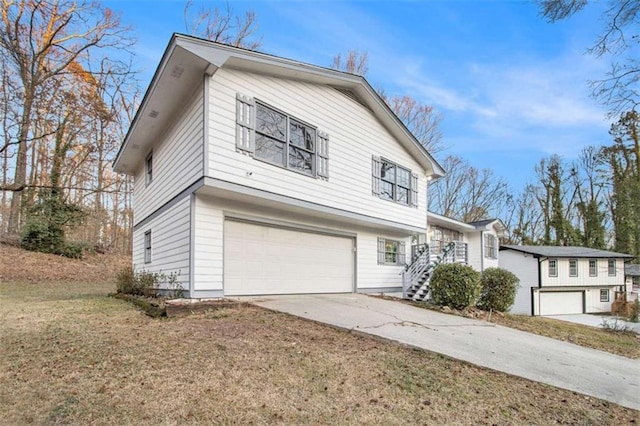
x: 597, y: 321
x: 565, y: 365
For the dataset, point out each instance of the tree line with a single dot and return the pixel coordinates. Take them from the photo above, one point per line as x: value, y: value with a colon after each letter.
x: 69, y: 92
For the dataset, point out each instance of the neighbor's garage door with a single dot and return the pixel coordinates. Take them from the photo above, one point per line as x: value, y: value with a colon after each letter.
x: 260, y: 259
x: 559, y: 303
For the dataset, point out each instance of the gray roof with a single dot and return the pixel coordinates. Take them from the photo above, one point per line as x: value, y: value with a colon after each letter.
x: 562, y: 251
x: 484, y: 222
x: 632, y: 269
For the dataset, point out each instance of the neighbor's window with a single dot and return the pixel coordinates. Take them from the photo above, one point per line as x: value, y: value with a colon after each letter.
x: 148, y: 165
x: 604, y: 295
x: 490, y: 246
x: 391, y: 252
x: 285, y: 141
x: 593, y: 267
x: 394, y: 183
x: 147, y: 247
x: 573, y: 267
x: 612, y: 267
x: 553, y: 267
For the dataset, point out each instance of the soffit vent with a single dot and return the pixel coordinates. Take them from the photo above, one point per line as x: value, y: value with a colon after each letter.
x: 153, y: 114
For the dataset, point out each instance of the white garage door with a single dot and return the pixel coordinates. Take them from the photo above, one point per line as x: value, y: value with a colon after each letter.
x: 260, y: 259
x: 559, y: 303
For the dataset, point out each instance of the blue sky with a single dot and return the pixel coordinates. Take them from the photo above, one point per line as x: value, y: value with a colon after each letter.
x: 512, y: 88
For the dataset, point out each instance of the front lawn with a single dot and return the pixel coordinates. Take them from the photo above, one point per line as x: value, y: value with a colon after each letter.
x: 72, y: 355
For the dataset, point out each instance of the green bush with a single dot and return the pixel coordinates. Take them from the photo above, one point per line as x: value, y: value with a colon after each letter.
x: 455, y: 285
x: 499, y: 288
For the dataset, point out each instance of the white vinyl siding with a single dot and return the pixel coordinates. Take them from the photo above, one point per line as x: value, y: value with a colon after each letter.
x: 355, y: 135
x: 564, y: 277
x: 526, y: 269
x: 169, y: 233
x: 209, y: 248
x: 177, y: 160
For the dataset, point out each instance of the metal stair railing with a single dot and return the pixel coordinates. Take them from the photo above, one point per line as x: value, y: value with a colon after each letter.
x: 421, y: 265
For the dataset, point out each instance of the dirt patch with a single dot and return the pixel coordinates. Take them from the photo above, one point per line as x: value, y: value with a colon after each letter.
x: 72, y: 355
x: 19, y: 265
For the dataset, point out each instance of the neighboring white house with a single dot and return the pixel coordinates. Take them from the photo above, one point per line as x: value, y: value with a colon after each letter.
x: 564, y: 280
x: 256, y: 174
x: 632, y: 281
x: 476, y: 243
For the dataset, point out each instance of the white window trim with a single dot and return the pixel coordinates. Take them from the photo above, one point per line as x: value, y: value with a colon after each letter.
x: 608, y: 298
x: 593, y: 272
x: 412, y: 196
x: 614, y: 267
x: 147, y: 243
x: 148, y: 171
x: 576, y: 268
x: 490, y: 246
x: 554, y: 269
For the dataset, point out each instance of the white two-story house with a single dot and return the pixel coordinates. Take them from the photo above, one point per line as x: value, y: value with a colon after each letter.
x: 564, y: 280
x: 256, y: 174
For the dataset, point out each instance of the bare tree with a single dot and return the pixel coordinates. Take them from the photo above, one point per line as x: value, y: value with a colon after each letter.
x: 466, y: 193
x: 353, y: 62
x: 422, y: 120
x: 619, y: 89
x: 40, y: 40
x: 222, y: 26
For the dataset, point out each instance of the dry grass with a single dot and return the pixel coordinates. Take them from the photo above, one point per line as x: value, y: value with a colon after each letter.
x: 69, y: 354
x: 26, y: 266
x: 72, y: 355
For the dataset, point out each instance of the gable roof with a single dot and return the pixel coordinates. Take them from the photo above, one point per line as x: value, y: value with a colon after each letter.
x: 563, y: 251
x: 496, y: 223
x: 455, y: 224
x: 187, y: 59
x: 632, y: 270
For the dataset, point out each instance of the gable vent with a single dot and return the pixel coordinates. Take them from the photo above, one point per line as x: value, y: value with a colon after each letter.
x: 153, y: 114
x: 349, y: 94
x: 176, y: 72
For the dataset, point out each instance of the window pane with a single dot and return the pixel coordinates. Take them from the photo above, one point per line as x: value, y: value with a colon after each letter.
x: 270, y: 122
x: 403, y: 195
x: 386, y: 190
x: 269, y: 149
x: 388, y: 172
x: 391, y: 251
x: 302, y: 136
x: 403, y: 177
x: 301, y: 160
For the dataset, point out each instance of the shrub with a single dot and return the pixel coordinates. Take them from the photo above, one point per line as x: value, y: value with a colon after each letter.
x: 635, y: 311
x: 136, y: 283
x: 499, y: 288
x: 145, y: 283
x: 455, y: 285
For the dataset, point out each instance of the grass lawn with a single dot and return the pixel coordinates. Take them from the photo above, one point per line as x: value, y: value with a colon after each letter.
x: 624, y: 343
x: 72, y: 355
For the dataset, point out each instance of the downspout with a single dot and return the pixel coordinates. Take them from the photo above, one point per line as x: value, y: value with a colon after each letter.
x: 481, y: 251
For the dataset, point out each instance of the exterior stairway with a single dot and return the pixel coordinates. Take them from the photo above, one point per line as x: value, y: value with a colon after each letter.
x: 415, y: 278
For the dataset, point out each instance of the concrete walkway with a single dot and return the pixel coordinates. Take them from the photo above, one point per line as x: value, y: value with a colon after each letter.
x: 565, y: 365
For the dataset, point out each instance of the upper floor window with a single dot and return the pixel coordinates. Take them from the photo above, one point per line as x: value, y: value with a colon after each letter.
x: 391, y: 252
x: 573, y: 267
x: 394, y: 183
x: 280, y: 139
x: 490, y: 246
x: 611, y: 266
x: 553, y: 267
x: 593, y: 267
x: 148, y: 168
x: 147, y: 247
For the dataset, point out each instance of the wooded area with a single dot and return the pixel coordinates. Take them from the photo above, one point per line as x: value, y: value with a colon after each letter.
x: 69, y: 92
